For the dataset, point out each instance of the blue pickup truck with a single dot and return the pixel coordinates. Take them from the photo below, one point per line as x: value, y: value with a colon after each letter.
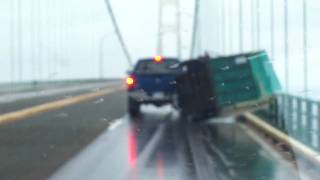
x: 152, y: 81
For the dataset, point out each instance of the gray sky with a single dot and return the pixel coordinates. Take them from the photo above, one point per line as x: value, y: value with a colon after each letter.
x: 61, y: 39
x: 211, y: 36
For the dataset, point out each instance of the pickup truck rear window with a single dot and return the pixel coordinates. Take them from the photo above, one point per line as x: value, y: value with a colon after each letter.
x: 151, y: 67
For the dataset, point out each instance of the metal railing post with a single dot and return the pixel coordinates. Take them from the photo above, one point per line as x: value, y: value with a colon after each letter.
x: 289, y: 119
x: 269, y: 112
x: 273, y: 110
x: 278, y: 110
x: 283, y: 112
x: 308, y: 130
x: 299, y: 117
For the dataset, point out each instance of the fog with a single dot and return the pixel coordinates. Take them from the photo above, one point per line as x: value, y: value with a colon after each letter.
x: 66, y: 39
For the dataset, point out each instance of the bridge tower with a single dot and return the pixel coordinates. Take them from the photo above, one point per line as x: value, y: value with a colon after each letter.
x: 169, y: 34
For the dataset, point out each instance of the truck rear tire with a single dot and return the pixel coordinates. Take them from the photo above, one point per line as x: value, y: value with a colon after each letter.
x: 133, y: 107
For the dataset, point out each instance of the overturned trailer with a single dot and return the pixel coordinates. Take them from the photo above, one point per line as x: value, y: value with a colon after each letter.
x: 211, y: 87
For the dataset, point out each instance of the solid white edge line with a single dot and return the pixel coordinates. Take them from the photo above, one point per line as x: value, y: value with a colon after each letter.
x: 70, y: 162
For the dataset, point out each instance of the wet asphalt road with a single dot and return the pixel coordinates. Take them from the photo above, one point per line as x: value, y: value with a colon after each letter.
x: 33, y: 148
x: 161, y: 148
x: 97, y: 140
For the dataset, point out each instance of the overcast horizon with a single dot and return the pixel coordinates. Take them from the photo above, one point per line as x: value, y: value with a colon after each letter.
x: 62, y: 39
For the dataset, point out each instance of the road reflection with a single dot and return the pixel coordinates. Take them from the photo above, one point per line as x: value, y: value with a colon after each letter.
x: 201, y: 151
x: 152, y: 149
x: 132, y: 144
x: 239, y: 156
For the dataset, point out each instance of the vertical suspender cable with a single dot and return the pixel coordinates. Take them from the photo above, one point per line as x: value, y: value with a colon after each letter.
x: 195, y: 28
x: 61, y: 35
x: 179, y: 42
x: 272, y: 29
x: 258, y: 24
x: 36, y: 37
x: 119, y: 35
x: 240, y: 27
x: 55, y: 38
x: 223, y: 24
x: 49, y: 38
x: 286, y: 45
x: 218, y: 26
x: 19, y: 38
x: 305, y: 46
x: 253, y: 40
x: 12, y: 40
x: 32, y: 41
x: 230, y: 27
x: 160, y: 33
x: 40, y: 36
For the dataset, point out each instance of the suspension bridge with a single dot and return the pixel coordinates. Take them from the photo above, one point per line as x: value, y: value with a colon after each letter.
x: 63, y: 106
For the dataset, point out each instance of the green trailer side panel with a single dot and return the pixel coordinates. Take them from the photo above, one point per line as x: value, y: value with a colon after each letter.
x: 230, y: 99
x: 264, y: 74
x: 233, y: 82
x: 235, y: 87
x: 242, y: 78
x: 237, y: 74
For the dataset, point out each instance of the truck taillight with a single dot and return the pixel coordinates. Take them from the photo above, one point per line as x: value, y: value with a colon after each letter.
x: 131, y: 82
x: 158, y: 59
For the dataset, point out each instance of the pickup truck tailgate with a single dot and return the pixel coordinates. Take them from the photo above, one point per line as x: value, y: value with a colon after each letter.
x: 151, y: 83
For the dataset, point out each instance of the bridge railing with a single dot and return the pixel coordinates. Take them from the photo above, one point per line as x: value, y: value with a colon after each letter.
x: 296, y: 116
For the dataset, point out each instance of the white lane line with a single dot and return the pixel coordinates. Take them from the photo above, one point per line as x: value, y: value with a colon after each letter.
x: 96, y: 159
x: 147, y: 151
x: 151, y: 146
x: 116, y: 123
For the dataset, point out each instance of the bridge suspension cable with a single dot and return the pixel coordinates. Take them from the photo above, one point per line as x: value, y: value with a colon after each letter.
x: 118, y: 33
x: 195, y: 25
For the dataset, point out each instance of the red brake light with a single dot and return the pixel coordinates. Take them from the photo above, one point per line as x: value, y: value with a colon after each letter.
x: 131, y: 82
x: 158, y: 59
